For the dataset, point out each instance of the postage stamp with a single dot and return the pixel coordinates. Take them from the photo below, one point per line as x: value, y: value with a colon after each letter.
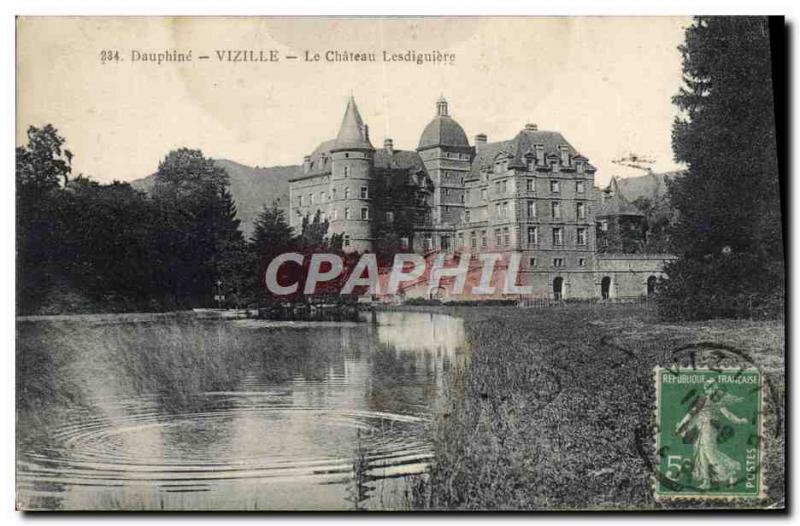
x: 709, y: 439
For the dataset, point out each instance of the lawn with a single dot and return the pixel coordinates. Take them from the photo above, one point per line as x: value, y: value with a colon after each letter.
x: 555, y: 407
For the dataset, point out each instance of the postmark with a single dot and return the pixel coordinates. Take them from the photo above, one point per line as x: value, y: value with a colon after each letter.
x: 709, y: 433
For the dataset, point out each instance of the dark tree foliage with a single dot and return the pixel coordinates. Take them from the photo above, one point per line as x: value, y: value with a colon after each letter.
x: 84, y: 246
x: 41, y: 166
x: 272, y: 233
x: 200, y: 226
x: 313, y: 233
x: 728, y: 233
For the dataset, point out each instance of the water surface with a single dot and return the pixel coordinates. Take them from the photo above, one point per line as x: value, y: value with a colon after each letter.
x: 184, y: 414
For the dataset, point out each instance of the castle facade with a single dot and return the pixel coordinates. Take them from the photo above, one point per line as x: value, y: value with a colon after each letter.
x: 533, y: 194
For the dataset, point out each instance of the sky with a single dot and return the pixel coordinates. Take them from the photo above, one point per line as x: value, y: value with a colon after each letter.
x: 604, y: 82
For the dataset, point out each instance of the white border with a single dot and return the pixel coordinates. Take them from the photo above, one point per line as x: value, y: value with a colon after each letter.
x: 790, y: 8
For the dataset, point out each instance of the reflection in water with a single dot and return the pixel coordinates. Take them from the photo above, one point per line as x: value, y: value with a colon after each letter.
x: 191, y: 415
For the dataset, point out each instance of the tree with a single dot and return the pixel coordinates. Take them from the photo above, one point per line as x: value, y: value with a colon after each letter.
x: 728, y: 202
x: 313, y: 232
x: 272, y: 233
x: 200, y: 226
x: 41, y: 165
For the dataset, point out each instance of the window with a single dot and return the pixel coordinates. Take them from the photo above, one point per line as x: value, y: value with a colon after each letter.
x: 428, y: 242
x: 581, y: 236
x: 497, y: 190
x: 390, y: 217
x: 533, y: 235
x: 365, y: 214
x: 554, y: 187
x: 504, y: 186
x: 472, y: 240
x: 347, y: 193
x: 555, y: 209
x: 539, y: 154
x: 323, y: 217
x: 558, y: 262
x: 467, y: 216
x: 506, y: 236
x: 498, y: 240
x: 311, y: 199
x: 484, y: 242
x: 347, y: 213
x: 581, y: 262
x: 558, y: 236
x: 483, y: 194
x: 531, y: 209
x: 333, y: 194
x: 505, y: 209
x: 580, y: 210
x: 564, y: 156
x: 322, y: 197
x: 498, y: 210
x: 579, y: 187
x: 404, y: 243
x: 346, y: 240
x: 346, y: 171
x: 530, y: 185
x: 460, y: 240
x: 364, y: 192
x: 604, y: 225
x: 299, y: 200
x: 532, y: 262
x: 335, y: 214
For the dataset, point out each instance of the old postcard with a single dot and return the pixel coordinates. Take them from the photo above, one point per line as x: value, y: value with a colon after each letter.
x: 399, y: 263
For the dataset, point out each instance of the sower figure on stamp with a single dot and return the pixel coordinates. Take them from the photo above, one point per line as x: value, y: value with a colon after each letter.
x: 710, y: 465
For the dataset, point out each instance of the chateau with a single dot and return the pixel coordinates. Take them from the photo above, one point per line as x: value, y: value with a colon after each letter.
x: 533, y: 194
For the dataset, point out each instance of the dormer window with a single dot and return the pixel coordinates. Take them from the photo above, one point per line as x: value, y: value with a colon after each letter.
x: 564, y: 155
x: 539, y: 154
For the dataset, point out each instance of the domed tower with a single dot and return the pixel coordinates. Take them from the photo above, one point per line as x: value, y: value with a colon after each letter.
x: 352, y: 157
x: 445, y: 150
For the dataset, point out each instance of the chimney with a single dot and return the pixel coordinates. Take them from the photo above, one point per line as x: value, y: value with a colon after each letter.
x: 530, y: 127
x: 480, y: 141
x: 306, y: 164
x: 388, y: 145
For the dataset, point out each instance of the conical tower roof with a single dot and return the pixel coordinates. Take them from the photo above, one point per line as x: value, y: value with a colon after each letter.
x: 353, y: 133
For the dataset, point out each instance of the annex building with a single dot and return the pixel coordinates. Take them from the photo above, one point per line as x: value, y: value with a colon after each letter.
x: 533, y: 194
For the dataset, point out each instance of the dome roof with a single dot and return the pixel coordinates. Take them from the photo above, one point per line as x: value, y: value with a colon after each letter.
x: 443, y: 131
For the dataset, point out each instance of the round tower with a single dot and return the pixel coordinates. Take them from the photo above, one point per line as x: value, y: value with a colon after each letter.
x: 352, y: 182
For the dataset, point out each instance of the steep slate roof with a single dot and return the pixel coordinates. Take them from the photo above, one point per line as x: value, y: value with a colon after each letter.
x: 613, y: 203
x: 518, y: 147
x: 443, y: 130
x: 352, y: 133
x: 399, y: 160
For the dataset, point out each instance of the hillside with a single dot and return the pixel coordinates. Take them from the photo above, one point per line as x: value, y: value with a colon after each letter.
x: 251, y: 188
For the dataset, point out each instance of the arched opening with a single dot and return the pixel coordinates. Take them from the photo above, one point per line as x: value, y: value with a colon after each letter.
x: 651, y: 285
x: 605, y: 288
x: 558, y: 288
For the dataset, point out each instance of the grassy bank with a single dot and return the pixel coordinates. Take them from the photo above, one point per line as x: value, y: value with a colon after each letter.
x: 555, y: 408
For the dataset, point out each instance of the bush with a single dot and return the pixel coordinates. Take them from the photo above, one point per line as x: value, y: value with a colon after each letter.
x: 732, y: 286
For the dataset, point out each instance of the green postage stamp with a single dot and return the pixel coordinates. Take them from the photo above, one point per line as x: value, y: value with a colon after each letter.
x: 708, y: 436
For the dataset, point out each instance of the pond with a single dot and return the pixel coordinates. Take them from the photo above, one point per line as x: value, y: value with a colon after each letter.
x: 186, y: 414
